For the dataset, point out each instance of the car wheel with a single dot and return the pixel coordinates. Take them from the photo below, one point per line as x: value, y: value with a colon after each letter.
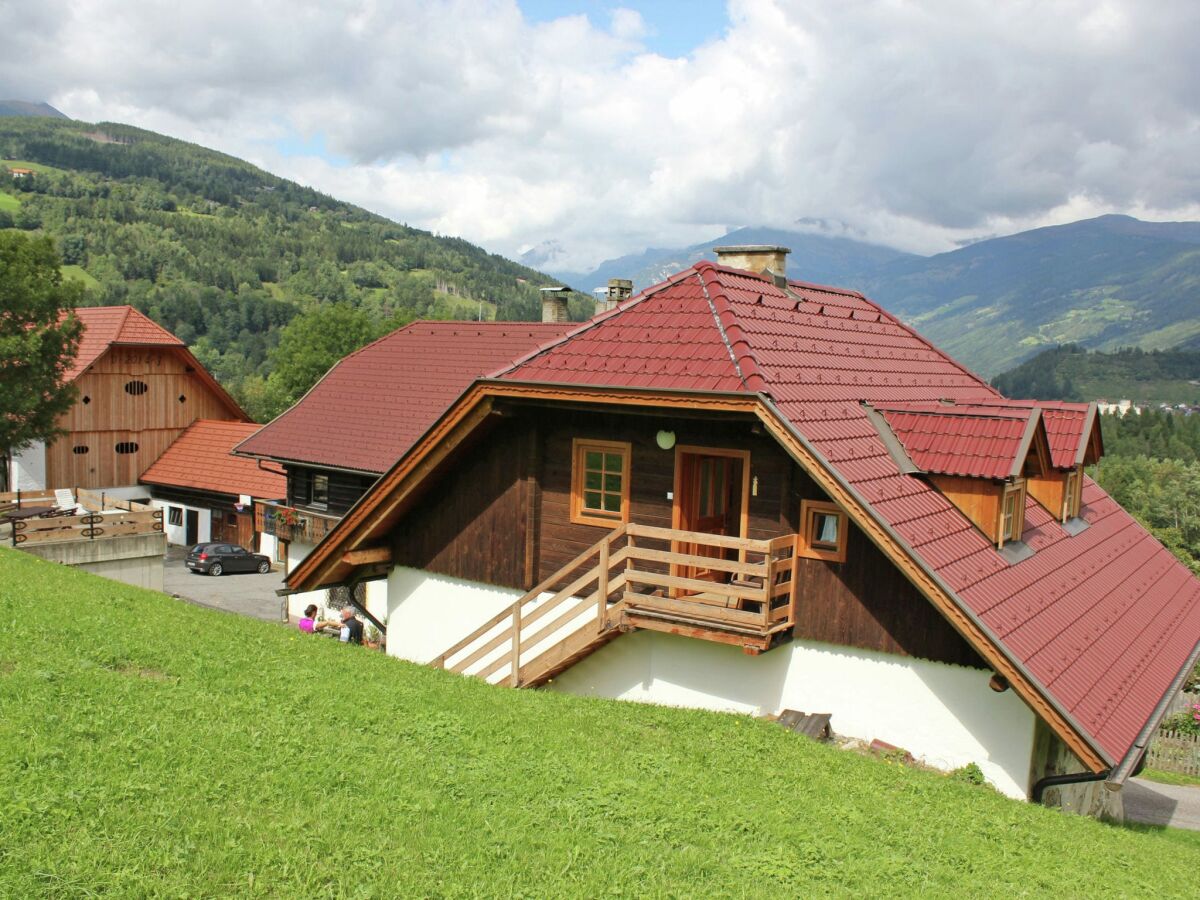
x: 215, y: 569
x: 264, y: 567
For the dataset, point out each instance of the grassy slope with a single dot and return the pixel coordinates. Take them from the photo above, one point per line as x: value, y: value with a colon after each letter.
x: 9, y: 202
x: 155, y: 748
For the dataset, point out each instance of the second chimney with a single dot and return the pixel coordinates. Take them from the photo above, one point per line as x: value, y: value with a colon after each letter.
x: 762, y: 258
x: 554, y: 304
x: 619, y: 289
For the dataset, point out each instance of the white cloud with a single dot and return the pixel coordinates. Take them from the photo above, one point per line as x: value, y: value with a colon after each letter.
x: 914, y: 123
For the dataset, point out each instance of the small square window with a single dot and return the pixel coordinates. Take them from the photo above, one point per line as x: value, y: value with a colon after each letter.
x: 823, y: 528
x: 600, y: 482
x: 175, y: 515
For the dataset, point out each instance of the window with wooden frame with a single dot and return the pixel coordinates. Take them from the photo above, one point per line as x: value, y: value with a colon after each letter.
x: 823, y: 531
x: 1071, y: 495
x: 1012, y: 514
x: 174, y: 515
x: 600, y: 482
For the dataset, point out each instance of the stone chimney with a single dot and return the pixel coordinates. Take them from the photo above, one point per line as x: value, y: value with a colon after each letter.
x: 554, y: 303
x: 619, y: 289
x: 761, y: 258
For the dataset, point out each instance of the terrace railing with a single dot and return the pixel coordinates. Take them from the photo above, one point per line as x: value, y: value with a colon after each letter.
x: 733, y: 590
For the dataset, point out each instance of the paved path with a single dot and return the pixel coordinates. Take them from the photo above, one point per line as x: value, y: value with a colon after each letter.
x: 248, y: 595
x: 1152, y: 803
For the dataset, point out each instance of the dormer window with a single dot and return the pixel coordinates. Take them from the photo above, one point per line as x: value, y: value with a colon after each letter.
x: 1012, y: 514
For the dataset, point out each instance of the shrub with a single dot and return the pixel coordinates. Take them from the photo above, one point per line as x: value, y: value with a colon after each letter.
x: 1186, y: 721
x: 969, y: 774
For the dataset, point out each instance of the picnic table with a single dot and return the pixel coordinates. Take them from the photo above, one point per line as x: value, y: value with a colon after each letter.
x: 27, y: 512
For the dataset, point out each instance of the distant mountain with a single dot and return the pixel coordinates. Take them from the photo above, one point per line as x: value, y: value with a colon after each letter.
x: 1103, y: 283
x: 24, y: 108
x: 814, y: 257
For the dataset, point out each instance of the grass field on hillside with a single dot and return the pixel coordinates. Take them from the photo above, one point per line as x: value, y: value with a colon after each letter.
x: 151, y: 748
x: 78, y: 273
x: 9, y: 203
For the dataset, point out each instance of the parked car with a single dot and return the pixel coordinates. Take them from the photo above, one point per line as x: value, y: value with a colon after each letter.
x: 217, y: 559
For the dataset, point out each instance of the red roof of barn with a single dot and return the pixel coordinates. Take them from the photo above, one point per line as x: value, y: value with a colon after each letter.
x: 200, y: 459
x: 1102, y: 621
x: 370, y: 407
x: 968, y: 440
x: 105, y: 326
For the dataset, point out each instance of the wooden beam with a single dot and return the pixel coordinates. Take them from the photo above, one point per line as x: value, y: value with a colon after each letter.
x: 367, y: 555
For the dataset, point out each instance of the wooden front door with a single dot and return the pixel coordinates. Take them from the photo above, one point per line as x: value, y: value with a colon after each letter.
x: 710, y: 499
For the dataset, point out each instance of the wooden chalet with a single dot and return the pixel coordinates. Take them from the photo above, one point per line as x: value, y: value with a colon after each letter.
x: 746, y: 493
x: 139, y: 389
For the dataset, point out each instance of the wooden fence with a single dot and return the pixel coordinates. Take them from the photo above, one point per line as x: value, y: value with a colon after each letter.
x: 1173, y: 751
x: 97, y: 516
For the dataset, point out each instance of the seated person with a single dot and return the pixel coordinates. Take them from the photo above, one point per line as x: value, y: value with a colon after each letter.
x: 351, y: 628
x: 311, y: 625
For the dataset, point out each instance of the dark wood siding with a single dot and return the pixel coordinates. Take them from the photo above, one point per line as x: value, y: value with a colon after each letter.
x: 344, y: 488
x: 652, y: 475
x: 866, y: 601
x: 471, y: 523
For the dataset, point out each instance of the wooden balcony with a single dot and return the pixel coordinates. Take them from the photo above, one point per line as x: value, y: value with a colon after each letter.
x: 31, y: 518
x: 711, y: 587
x: 292, y: 524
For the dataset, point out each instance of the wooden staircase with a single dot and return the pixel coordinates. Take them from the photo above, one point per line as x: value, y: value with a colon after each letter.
x: 625, y: 582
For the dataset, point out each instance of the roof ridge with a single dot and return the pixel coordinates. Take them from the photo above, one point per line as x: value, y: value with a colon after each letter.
x: 594, y: 321
x: 730, y: 329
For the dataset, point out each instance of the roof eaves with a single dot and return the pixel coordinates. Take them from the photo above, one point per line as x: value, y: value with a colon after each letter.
x: 1089, y: 425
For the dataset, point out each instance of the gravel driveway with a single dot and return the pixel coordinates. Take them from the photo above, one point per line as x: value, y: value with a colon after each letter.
x: 248, y: 595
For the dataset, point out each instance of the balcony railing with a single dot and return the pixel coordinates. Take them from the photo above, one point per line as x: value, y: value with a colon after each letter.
x: 290, y: 523
x: 726, y: 589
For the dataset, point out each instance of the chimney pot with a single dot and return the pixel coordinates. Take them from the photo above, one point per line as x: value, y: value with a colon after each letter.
x: 554, y: 303
x: 761, y: 258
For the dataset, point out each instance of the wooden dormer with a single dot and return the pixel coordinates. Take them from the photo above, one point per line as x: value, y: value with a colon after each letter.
x: 980, y: 458
x: 1075, y: 441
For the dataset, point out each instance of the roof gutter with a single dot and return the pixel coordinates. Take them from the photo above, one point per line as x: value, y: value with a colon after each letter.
x: 936, y: 579
x: 1134, y: 759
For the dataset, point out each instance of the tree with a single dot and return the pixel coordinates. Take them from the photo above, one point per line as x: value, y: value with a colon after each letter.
x: 37, y: 341
x: 311, y: 343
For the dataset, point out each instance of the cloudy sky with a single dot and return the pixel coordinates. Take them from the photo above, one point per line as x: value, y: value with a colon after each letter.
x: 607, y: 127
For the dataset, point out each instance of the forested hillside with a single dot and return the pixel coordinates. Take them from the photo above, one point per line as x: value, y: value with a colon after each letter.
x: 1071, y: 373
x: 226, y: 255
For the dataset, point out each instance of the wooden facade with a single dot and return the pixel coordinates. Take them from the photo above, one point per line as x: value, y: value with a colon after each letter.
x: 133, y: 402
x: 341, y: 489
x: 500, y: 513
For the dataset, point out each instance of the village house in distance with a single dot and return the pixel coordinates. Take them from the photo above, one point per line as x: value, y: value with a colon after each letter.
x: 741, y: 492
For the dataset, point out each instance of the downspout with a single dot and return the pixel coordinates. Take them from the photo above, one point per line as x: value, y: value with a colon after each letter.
x: 1050, y: 781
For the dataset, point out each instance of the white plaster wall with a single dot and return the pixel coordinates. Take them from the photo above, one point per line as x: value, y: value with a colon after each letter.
x: 177, y: 534
x: 945, y: 715
x: 376, y: 598
x: 27, y: 469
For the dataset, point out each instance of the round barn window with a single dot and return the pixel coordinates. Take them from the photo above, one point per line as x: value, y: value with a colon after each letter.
x: 127, y: 447
x: 86, y: 400
x: 136, y: 388
x: 79, y: 449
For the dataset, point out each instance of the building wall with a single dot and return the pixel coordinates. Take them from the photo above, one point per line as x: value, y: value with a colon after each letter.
x: 28, y: 469
x: 475, y: 523
x: 177, y: 534
x: 134, y: 559
x: 105, y: 414
x: 376, y: 591
x: 945, y: 715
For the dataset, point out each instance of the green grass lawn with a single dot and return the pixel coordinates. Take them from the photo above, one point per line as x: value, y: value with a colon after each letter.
x: 152, y: 748
x: 26, y: 164
x: 9, y: 202
x: 1177, y: 778
x: 78, y: 273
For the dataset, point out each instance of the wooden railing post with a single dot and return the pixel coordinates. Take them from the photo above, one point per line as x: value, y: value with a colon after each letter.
x: 602, y: 588
x: 516, y: 644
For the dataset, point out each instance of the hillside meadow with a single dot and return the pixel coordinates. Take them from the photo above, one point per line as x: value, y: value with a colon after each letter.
x: 151, y: 748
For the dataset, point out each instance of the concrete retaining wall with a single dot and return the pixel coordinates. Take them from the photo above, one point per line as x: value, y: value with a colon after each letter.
x: 134, y: 559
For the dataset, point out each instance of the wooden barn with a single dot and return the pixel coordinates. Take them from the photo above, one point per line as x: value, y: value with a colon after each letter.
x: 745, y: 493
x: 139, y: 389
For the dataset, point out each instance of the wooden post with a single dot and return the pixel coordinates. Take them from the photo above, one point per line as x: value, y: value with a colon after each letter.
x: 516, y: 644
x: 602, y: 588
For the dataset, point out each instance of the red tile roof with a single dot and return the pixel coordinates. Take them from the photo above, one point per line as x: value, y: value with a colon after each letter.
x: 104, y: 326
x: 200, y: 459
x: 1102, y: 620
x: 974, y: 441
x: 369, y: 408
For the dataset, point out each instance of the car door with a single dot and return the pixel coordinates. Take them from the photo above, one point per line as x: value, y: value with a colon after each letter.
x: 239, y: 560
